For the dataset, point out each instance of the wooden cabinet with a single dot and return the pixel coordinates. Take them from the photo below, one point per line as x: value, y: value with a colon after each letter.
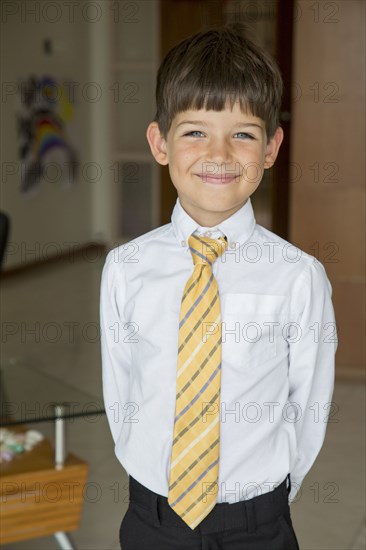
x: 36, y: 499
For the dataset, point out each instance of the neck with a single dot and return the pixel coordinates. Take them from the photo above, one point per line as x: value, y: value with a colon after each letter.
x: 208, y: 218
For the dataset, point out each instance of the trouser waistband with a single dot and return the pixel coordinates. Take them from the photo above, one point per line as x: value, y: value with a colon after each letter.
x: 245, y: 514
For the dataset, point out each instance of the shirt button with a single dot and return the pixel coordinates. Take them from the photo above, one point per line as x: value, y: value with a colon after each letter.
x: 233, y: 245
x: 208, y: 234
x: 183, y: 243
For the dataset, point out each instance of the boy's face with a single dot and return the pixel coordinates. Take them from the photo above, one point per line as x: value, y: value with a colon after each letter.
x: 216, y: 159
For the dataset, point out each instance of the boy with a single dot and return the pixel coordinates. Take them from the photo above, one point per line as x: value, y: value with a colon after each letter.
x: 216, y: 333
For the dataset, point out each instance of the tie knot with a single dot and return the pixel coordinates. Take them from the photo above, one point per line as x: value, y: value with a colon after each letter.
x: 205, y: 250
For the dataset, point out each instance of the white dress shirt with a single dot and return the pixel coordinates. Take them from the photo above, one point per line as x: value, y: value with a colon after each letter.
x: 278, y: 351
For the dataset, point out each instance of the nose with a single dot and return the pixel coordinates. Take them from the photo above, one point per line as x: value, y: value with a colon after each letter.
x: 219, y: 151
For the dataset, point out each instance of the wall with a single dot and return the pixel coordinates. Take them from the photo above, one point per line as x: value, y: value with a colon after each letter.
x: 44, y: 223
x: 327, y: 217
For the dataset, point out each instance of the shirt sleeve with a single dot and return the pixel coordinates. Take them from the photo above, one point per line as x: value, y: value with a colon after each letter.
x: 312, y: 349
x: 115, y: 351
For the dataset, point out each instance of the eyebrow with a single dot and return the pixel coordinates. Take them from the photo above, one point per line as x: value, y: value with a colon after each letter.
x: 203, y: 123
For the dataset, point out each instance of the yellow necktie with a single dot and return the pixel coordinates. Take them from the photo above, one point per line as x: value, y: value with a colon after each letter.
x: 194, y: 465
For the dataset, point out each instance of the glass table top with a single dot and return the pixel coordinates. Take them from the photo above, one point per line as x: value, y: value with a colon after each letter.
x: 29, y: 395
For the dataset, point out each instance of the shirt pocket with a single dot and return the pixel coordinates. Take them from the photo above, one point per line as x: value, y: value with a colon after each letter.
x: 251, y: 327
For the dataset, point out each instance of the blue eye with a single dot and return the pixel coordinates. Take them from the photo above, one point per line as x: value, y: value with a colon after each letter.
x: 193, y: 132
x: 246, y: 135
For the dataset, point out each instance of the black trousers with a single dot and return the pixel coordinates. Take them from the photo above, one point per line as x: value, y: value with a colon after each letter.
x: 261, y: 523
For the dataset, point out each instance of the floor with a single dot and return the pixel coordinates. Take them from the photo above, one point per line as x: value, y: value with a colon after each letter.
x: 329, y: 515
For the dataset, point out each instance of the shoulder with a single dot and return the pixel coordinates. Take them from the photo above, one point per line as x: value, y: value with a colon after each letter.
x: 290, y: 256
x: 129, y: 251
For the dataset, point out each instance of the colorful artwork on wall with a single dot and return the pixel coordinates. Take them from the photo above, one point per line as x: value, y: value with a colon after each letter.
x: 44, y: 120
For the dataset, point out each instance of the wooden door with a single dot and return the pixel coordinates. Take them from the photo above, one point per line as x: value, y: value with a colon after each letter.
x: 179, y: 19
x: 271, y: 23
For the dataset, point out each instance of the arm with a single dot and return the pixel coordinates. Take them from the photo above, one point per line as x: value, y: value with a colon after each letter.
x: 311, y: 366
x: 116, y: 359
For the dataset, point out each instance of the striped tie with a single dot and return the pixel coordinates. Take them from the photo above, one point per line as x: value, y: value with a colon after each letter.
x: 194, y: 465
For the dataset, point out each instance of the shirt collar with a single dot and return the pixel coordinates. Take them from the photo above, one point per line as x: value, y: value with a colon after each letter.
x: 237, y: 228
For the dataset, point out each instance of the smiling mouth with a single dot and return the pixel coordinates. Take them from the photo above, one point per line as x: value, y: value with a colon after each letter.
x: 222, y: 179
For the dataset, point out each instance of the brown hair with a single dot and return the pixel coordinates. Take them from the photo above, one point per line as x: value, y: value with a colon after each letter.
x: 208, y: 68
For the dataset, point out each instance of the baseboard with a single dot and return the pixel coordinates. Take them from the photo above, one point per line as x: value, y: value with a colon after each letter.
x: 62, y: 256
x: 350, y: 374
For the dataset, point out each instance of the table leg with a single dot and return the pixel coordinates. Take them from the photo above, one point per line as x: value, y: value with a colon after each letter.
x: 60, y: 449
x: 64, y: 541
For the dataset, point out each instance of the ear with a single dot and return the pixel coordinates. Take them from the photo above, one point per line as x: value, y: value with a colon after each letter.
x: 157, y: 143
x: 272, y: 148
